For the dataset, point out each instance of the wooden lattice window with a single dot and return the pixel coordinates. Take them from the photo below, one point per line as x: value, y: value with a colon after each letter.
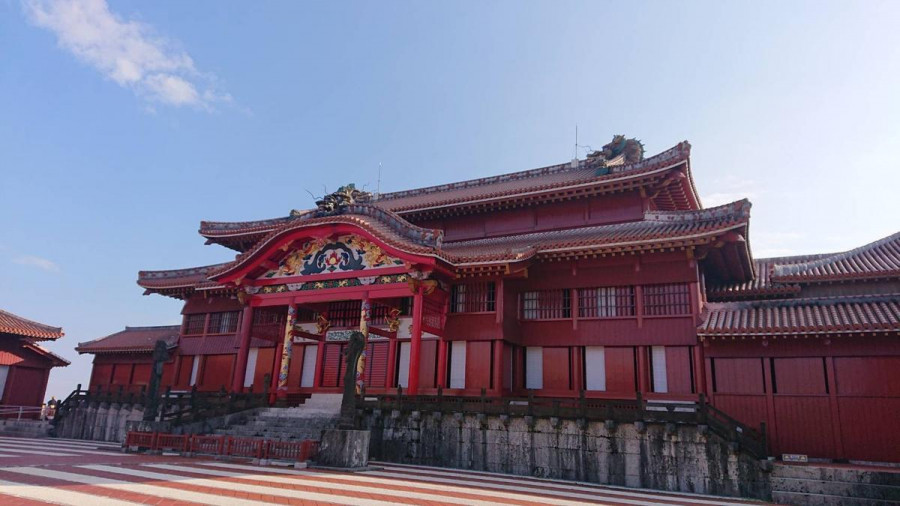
x: 223, y: 323
x: 546, y: 304
x: 606, y: 302
x: 268, y: 323
x: 344, y: 313
x: 473, y: 298
x: 194, y: 324
x: 667, y: 300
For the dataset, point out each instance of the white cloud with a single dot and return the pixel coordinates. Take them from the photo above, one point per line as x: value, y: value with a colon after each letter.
x: 128, y: 52
x: 730, y: 189
x: 40, y: 263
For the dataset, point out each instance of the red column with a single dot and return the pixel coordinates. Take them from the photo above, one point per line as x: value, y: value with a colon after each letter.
x: 416, y: 344
x: 699, y: 369
x: 497, y: 367
x: 643, y: 371
x: 276, y: 369
x: 392, y: 364
x: 320, y: 363
x: 442, y: 364
x: 240, y: 368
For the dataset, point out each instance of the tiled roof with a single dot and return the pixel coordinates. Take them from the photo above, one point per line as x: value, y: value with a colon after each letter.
x: 545, y: 179
x: 175, y: 279
x: 132, y: 340
x: 675, y: 193
x: 666, y: 229
x: 876, y: 260
x: 672, y: 228
x: 783, y: 276
x: 12, y: 324
x: 789, y: 317
x: 386, y: 225
x: 57, y: 360
x: 761, y: 285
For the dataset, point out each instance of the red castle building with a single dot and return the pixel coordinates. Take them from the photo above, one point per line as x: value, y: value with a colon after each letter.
x: 604, y: 276
x: 24, y: 364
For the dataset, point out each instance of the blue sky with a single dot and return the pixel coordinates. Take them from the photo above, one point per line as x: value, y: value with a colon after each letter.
x: 124, y: 125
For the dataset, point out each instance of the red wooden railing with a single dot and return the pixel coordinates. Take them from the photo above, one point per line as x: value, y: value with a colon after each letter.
x: 246, y: 447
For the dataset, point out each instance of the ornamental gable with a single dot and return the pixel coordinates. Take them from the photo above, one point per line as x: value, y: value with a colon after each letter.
x: 325, y: 256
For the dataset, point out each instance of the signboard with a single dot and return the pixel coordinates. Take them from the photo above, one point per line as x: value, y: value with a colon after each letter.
x: 794, y: 457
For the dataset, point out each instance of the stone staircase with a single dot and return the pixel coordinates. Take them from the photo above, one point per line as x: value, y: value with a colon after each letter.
x: 320, y: 411
x: 827, y: 485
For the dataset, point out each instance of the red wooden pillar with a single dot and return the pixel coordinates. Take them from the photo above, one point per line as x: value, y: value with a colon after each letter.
x: 392, y: 364
x: 442, y: 364
x: 240, y: 368
x: 699, y: 364
x: 772, y: 428
x: 497, y: 367
x: 320, y: 363
x: 836, y: 428
x: 416, y: 344
x: 643, y: 370
x: 276, y: 369
x: 577, y: 368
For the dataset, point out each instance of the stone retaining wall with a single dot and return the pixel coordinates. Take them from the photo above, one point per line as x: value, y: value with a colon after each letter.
x: 98, y: 421
x: 682, y: 458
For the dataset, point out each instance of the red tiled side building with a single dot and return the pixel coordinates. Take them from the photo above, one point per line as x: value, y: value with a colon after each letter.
x: 25, y: 364
x: 605, y: 276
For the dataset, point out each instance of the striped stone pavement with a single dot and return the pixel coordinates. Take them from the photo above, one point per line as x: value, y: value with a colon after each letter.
x: 99, y: 474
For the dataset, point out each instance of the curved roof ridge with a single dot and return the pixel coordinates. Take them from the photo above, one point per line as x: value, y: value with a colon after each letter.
x: 740, y: 208
x: 210, y: 227
x: 177, y: 273
x: 875, y: 259
x: 531, y: 173
x: 132, y: 339
x: 14, y: 324
x: 407, y: 236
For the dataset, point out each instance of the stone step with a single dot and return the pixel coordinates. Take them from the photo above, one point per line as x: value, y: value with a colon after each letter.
x: 840, y: 489
x: 868, y: 475
x: 799, y: 498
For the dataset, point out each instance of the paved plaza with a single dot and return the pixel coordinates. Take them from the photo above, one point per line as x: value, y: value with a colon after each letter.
x: 54, y: 471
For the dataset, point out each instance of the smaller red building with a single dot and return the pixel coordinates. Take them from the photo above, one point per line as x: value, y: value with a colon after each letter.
x: 24, y: 364
x: 124, y: 360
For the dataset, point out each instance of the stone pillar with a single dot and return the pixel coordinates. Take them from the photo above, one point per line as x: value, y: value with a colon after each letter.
x: 240, y: 367
x: 416, y: 341
x: 284, y: 363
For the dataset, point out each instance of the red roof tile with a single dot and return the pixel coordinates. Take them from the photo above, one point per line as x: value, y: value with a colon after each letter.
x: 761, y: 285
x: 876, y: 260
x: 386, y: 225
x: 57, y: 360
x: 666, y: 228
x: 194, y: 278
x: 545, y: 179
x: 12, y: 324
x: 677, y: 193
x: 657, y: 226
x: 132, y: 340
x: 833, y: 315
